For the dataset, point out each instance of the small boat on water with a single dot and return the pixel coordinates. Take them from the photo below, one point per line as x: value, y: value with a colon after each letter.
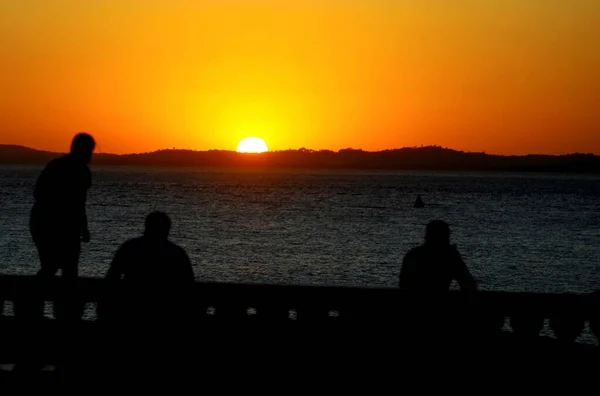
x: 419, y: 202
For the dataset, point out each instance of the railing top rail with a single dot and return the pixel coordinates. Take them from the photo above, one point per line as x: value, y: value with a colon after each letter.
x: 92, y: 289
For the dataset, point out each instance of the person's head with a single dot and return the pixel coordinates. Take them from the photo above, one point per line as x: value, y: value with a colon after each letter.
x: 158, y: 226
x: 82, y: 147
x: 437, y: 233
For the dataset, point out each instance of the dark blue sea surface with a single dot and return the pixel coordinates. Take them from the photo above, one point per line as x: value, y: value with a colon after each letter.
x: 524, y: 232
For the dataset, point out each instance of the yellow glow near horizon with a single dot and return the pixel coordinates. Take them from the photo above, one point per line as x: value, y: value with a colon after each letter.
x: 252, y: 145
x: 504, y: 76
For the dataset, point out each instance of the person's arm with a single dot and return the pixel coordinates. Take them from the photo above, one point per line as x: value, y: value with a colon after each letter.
x: 186, y: 303
x: 42, y: 184
x: 117, y: 266
x: 188, y: 273
x: 85, y: 232
x: 462, y: 275
x: 407, y: 271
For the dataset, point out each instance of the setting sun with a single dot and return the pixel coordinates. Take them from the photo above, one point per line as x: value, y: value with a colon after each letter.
x: 252, y: 145
x: 515, y: 77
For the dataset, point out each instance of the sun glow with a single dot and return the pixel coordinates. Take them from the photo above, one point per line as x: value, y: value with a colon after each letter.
x: 252, y: 145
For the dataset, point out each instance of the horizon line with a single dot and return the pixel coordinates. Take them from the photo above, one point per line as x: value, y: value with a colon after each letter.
x: 313, y: 150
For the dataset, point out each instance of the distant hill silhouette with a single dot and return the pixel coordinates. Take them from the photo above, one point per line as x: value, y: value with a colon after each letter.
x: 415, y: 158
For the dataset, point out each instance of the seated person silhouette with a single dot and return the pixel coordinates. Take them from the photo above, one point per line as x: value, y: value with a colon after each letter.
x: 430, y: 269
x: 434, y: 265
x: 156, y: 274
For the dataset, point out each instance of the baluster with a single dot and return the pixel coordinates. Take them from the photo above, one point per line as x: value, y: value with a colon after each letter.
x: 595, y: 325
x: 292, y: 314
x: 593, y: 307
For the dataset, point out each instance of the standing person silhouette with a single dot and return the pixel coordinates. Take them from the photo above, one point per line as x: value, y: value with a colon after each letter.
x: 58, y: 225
x: 58, y: 221
x: 435, y: 264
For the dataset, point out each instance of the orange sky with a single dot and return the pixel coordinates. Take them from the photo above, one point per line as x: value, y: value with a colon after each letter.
x: 504, y: 76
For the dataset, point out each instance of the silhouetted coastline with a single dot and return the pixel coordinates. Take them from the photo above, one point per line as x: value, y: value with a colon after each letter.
x: 432, y: 158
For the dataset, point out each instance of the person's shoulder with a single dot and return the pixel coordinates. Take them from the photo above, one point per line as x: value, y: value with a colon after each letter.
x: 132, y: 243
x: 454, y: 256
x: 87, y: 175
x: 176, y: 249
x: 453, y: 251
x: 413, y: 255
x: 416, y: 251
x: 64, y: 160
x: 54, y: 163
